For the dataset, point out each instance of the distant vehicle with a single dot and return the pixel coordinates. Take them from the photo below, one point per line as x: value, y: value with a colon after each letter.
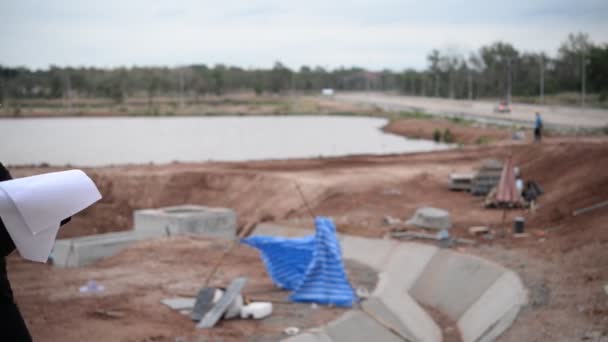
x: 327, y: 92
x: 503, y: 107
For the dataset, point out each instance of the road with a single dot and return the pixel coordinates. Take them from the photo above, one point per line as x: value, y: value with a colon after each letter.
x: 521, y: 114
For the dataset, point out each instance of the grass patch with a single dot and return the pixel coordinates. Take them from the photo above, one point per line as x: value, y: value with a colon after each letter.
x: 413, y: 115
x: 460, y: 121
x: 483, y: 140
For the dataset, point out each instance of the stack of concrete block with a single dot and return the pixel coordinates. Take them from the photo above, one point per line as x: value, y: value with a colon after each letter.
x: 185, y: 220
x: 461, y: 181
x: 487, y: 177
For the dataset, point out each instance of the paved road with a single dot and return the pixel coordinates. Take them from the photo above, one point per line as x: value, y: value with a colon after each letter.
x: 521, y: 114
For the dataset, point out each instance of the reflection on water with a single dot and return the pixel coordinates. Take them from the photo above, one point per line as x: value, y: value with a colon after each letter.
x: 103, y: 141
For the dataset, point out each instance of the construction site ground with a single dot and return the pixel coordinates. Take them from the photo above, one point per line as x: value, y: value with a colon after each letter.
x: 563, y: 260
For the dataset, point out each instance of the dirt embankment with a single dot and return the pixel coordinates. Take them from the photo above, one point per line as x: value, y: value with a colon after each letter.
x: 462, y: 132
x: 562, y: 262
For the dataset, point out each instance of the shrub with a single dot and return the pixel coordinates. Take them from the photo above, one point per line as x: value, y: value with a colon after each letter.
x: 447, y: 136
x: 437, y: 135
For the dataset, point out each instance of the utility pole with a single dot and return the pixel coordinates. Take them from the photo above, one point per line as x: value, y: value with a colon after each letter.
x: 542, y: 80
x: 470, y: 83
x: 436, y: 84
x: 583, y: 80
x: 451, y: 83
x: 181, y: 88
x: 412, y: 85
x: 509, y: 80
x: 68, y: 92
x: 423, y: 88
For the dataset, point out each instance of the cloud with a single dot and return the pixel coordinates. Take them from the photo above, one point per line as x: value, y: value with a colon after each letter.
x: 380, y: 34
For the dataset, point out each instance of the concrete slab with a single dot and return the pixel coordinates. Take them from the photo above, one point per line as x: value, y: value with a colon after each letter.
x: 179, y: 303
x: 355, y: 326
x: 406, y: 263
x: 452, y: 282
x: 431, y: 218
x: 219, y: 309
x: 376, y: 308
x: 372, y: 252
x: 461, y: 286
x: 185, y: 219
x: 85, y: 250
x: 495, y: 310
x: 397, y: 309
x: 309, y: 337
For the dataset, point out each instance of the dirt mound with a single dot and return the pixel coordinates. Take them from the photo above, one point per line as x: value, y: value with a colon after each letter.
x: 253, y: 196
x: 573, y: 176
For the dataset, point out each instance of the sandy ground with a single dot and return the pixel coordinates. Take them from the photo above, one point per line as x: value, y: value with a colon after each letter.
x: 562, y: 262
x: 135, y: 282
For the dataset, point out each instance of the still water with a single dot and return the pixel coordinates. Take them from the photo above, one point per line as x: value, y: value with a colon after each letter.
x: 128, y: 140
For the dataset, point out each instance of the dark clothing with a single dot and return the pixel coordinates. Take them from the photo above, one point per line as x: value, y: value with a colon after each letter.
x: 532, y: 191
x: 538, y: 128
x: 13, y: 325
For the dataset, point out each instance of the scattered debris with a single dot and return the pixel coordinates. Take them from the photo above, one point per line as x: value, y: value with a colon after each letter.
x: 291, y: 331
x: 539, y: 233
x: 362, y: 292
x: 606, y: 289
x: 489, y: 235
x: 204, y: 302
x: 179, y: 303
x: 461, y: 181
x: 257, y: 310
x: 587, y: 209
x: 431, y: 218
x: 92, y: 287
x: 592, y: 335
x: 443, y: 235
x: 108, y: 314
x: 234, y: 310
x: 520, y: 235
x: 518, y: 135
x: 314, y: 306
x: 436, y: 237
x: 391, y: 192
x: 218, y: 310
x: 391, y: 221
x: 478, y: 230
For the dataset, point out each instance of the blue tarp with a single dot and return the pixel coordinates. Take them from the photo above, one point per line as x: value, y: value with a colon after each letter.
x: 310, y: 266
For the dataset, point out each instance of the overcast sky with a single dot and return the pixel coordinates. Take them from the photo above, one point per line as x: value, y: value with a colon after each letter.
x: 249, y: 33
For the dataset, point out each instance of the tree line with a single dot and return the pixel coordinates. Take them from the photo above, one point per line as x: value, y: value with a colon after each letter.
x: 497, y: 70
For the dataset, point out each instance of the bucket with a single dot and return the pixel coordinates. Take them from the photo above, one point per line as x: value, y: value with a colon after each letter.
x: 518, y: 225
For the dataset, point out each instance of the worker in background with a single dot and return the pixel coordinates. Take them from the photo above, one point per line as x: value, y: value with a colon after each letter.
x: 538, y: 127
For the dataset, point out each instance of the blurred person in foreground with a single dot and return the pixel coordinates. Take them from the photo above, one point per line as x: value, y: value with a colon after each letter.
x: 13, y: 325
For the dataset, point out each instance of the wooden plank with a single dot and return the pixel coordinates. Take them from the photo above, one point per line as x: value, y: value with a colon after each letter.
x: 593, y: 207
